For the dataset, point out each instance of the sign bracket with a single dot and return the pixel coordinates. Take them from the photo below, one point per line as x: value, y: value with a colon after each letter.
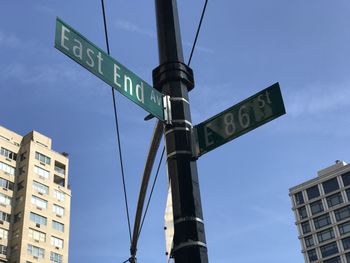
x: 167, y: 109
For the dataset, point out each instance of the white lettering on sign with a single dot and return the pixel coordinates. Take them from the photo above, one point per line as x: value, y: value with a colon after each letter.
x: 155, y: 99
x: 261, y: 101
x: 78, y: 50
x: 268, y: 97
x: 237, y: 120
x: 139, y: 93
x: 230, y: 126
x: 90, y: 62
x: 243, y: 117
x: 208, y: 132
x: 116, y: 75
x: 100, y: 59
x: 127, y: 83
x: 64, y: 37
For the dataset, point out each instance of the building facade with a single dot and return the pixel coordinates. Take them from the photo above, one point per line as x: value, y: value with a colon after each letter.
x: 34, y: 199
x: 322, y: 212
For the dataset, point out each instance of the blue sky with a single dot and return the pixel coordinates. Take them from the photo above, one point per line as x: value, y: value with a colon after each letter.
x: 244, y: 47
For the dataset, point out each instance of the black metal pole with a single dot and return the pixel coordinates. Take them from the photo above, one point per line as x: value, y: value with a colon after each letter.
x: 175, y: 79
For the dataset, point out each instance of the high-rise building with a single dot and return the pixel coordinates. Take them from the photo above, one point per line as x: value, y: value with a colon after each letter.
x: 322, y: 211
x: 34, y: 199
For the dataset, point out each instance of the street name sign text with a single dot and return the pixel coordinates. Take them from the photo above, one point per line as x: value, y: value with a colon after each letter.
x: 81, y: 50
x: 239, y: 119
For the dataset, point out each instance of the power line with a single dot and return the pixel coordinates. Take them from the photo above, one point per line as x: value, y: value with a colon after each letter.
x: 117, y: 129
x: 153, y: 185
x: 198, y: 29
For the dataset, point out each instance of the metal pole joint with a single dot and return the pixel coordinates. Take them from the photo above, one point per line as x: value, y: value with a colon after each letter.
x: 173, y: 71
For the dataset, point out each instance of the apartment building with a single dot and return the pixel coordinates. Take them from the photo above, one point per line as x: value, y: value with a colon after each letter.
x: 322, y: 212
x: 34, y: 199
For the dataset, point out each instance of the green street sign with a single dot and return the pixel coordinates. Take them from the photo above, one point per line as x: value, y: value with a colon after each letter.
x: 81, y: 50
x: 241, y: 118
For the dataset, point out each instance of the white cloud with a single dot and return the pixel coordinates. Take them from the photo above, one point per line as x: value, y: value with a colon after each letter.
x: 133, y: 28
x: 317, y: 99
x: 199, y: 48
x: 46, y: 10
x: 8, y: 40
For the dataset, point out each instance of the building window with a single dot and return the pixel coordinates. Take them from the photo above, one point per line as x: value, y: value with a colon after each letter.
x: 39, y: 202
x: 41, y: 188
x: 316, y: 207
x: 330, y: 185
x: 6, y: 184
x: 347, y: 257
x: 302, y: 212
x: 37, y: 235
x: 325, y: 235
x: 329, y: 249
x: 3, y: 233
x: 309, y: 241
x: 4, y: 199
x: 8, y: 154
x: 59, y: 180
x: 313, y: 192
x: 3, y: 250
x: 41, y: 172
x: 348, y: 194
x: 59, y: 210
x: 306, y: 227
x: 7, y: 168
x: 60, y: 168
x: 59, y: 195
x: 4, y: 138
x: 56, y: 258
x: 56, y: 242
x: 334, y: 200
x: 36, y: 251
x: 42, y: 158
x: 333, y: 260
x: 57, y: 226
x: 299, y: 199
x: 38, y: 219
x: 344, y: 228
x: 346, y: 179
x: 312, y: 255
x: 322, y: 221
x: 342, y: 213
x: 4, y: 216
x: 346, y: 243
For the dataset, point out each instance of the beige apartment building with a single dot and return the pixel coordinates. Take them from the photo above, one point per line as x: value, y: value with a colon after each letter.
x: 34, y: 199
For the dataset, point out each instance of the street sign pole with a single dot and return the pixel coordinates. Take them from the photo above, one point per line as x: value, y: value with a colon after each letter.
x: 174, y: 79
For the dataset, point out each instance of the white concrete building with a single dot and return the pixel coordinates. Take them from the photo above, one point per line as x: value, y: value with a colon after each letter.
x: 322, y: 212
